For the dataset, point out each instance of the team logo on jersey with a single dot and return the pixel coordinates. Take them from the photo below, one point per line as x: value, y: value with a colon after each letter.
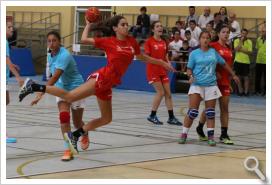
x: 156, y: 47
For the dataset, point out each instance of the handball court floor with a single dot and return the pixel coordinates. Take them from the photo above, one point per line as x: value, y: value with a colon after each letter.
x: 130, y: 147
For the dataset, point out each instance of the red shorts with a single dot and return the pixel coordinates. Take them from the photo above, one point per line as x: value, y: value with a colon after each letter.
x: 157, y: 78
x: 102, y: 86
x: 224, y: 89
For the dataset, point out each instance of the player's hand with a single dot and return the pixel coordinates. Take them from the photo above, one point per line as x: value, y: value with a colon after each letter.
x: 191, y: 79
x: 168, y: 66
x: 37, y: 98
x: 88, y: 23
x: 236, y: 79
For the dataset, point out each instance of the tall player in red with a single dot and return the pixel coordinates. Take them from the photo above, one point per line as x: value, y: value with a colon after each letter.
x: 223, y: 82
x: 120, y: 50
x: 156, y: 47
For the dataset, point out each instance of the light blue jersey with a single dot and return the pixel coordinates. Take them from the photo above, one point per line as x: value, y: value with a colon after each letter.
x: 70, y: 78
x: 7, y: 55
x: 203, y: 64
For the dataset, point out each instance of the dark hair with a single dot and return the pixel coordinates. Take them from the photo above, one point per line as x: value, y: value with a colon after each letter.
x: 185, y: 42
x: 143, y: 9
x: 220, y: 26
x: 203, y: 32
x: 55, y: 33
x: 216, y: 14
x: 176, y: 31
x: 106, y: 26
x: 187, y: 32
x: 192, y: 21
x: 178, y: 22
x: 226, y: 12
x: 244, y: 29
x: 192, y: 7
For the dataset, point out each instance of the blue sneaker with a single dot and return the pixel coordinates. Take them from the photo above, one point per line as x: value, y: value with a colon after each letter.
x: 11, y: 140
x: 155, y: 120
x: 68, y: 136
x: 174, y: 121
x: 26, y: 89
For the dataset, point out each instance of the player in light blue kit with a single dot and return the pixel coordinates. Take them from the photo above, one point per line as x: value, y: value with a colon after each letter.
x: 65, y: 75
x: 10, y: 68
x: 201, y: 70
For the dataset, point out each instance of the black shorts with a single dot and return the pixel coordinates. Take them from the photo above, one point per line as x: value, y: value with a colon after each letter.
x: 241, y: 69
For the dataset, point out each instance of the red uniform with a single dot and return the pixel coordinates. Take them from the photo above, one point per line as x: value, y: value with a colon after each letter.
x: 119, y: 56
x: 224, y: 82
x: 158, y: 50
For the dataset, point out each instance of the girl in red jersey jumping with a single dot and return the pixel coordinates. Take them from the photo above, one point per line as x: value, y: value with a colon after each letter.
x: 156, y: 47
x: 223, y: 82
x: 120, y: 50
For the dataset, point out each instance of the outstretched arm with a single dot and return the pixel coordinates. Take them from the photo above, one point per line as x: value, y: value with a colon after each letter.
x: 234, y: 76
x: 147, y: 59
x: 50, y: 82
x: 12, y: 68
x: 84, y: 38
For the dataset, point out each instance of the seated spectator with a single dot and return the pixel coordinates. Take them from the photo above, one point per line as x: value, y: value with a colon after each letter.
x: 213, y: 34
x: 209, y: 26
x: 142, y: 25
x: 261, y: 63
x: 194, y: 29
x: 191, y: 16
x: 175, y: 46
x: 184, y: 55
x: 181, y: 27
x: 224, y: 14
x: 243, y: 48
x: 205, y: 18
x: 192, y: 42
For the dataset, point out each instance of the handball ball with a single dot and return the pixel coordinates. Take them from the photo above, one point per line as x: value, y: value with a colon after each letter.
x: 92, y: 14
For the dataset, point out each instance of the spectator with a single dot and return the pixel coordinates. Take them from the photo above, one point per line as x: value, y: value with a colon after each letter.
x: 195, y: 30
x: 191, y: 16
x: 13, y: 39
x: 205, y: 18
x: 192, y: 42
x: 184, y: 55
x: 216, y: 20
x: 234, y: 26
x: 224, y: 14
x: 181, y: 27
x: 243, y: 48
x: 175, y: 46
x: 209, y: 26
x: 261, y: 63
x: 142, y: 25
x: 214, y: 36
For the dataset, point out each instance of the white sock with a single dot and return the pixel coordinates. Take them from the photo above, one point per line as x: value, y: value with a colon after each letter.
x: 185, y: 130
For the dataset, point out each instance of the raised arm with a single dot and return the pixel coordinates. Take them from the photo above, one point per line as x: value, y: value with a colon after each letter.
x: 84, y: 38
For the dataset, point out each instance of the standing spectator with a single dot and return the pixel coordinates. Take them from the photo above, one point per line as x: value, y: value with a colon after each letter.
x: 224, y: 14
x: 216, y: 20
x: 191, y: 16
x: 205, y: 18
x: 143, y: 24
x: 195, y: 30
x: 175, y: 46
x: 243, y: 48
x: 234, y: 26
x: 192, y: 42
x: 261, y: 63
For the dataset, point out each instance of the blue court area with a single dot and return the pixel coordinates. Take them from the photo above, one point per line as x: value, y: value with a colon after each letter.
x: 130, y: 146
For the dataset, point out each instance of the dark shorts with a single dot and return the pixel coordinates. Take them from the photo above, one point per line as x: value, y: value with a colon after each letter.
x: 241, y: 69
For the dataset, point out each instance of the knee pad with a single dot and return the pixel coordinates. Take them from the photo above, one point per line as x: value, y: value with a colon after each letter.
x: 64, y: 117
x: 210, y: 113
x: 192, y: 113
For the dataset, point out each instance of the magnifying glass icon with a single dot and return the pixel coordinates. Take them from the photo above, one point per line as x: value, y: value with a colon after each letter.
x: 251, y: 163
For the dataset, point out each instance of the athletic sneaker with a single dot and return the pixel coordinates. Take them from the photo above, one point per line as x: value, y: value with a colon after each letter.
x: 11, y: 140
x: 155, y: 120
x: 182, y: 139
x: 84, y: 142
x: 174, y: 121
x: 68, y: 136
x: 201, y: 135
x: 226, y: 140
x: 67, y: 156
x: 211, y: 142
x: 26, y: 89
